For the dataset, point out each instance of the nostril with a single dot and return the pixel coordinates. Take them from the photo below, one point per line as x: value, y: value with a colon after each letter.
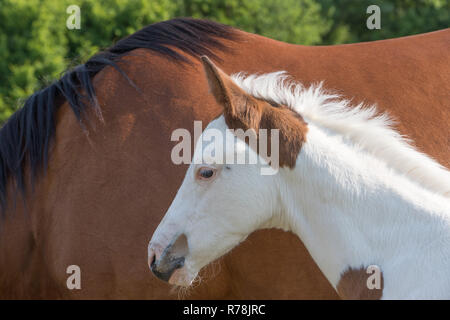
x: 164, y: 262
x: 166, y: 266
x: 178, y: 263
x: 152, y: 261
x: 152, y: 257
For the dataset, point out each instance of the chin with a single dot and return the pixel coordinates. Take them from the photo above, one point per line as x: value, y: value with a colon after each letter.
x: 182, y: 278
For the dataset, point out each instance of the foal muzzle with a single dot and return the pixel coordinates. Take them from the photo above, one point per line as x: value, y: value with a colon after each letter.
x: 163, y: 263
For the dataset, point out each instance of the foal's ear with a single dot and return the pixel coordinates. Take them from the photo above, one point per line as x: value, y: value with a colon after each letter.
x: 238, y: 105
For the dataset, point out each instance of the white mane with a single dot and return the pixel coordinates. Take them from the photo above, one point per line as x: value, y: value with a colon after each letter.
x: 363, y: 125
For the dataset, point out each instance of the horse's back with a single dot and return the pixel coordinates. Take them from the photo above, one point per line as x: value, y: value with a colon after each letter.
x: 408, y: 77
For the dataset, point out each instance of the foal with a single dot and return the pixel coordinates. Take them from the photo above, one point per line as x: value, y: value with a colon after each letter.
x: 373, y: 212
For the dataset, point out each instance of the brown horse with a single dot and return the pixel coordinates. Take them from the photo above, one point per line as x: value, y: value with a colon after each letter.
x: 93, y: 195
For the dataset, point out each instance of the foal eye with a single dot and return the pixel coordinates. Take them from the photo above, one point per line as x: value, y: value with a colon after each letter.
x: 205, y: 173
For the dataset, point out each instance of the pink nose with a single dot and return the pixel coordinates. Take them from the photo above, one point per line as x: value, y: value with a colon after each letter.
x: 163, y: 262
x: 154, y: 253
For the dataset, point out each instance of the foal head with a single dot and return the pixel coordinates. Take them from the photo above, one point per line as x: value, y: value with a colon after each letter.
x: 220, y: 203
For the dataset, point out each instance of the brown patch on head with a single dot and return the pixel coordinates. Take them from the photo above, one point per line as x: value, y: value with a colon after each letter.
x: 243, y: 111
x: 353, y: 285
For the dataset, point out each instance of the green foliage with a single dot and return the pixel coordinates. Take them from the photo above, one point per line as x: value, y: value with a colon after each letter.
x: 36, y: 47
x: 32, y: 46
x: 398, y: 18
x: 295, y: 21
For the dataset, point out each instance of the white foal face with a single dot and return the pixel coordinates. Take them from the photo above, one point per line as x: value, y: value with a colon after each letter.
x: 220, y: 202
x: 217, y: 206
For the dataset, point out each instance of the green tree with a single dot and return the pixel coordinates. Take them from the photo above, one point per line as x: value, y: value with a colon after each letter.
x: 294, y: 21
x: 32, y: 48
x: 398, y: 18
x: 36, y: 46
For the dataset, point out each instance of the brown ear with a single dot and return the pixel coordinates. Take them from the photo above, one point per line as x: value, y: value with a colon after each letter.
x: 238, y: 105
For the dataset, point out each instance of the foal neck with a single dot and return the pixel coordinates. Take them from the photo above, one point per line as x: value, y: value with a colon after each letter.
x: 352, y: 210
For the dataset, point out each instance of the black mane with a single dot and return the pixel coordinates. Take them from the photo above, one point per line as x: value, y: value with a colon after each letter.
x: 26, y: 136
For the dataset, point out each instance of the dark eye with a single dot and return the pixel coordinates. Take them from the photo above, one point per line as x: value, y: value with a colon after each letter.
x: 205, y: 173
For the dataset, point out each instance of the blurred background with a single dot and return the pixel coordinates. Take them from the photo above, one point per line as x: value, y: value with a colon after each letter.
x: 36, y: 46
